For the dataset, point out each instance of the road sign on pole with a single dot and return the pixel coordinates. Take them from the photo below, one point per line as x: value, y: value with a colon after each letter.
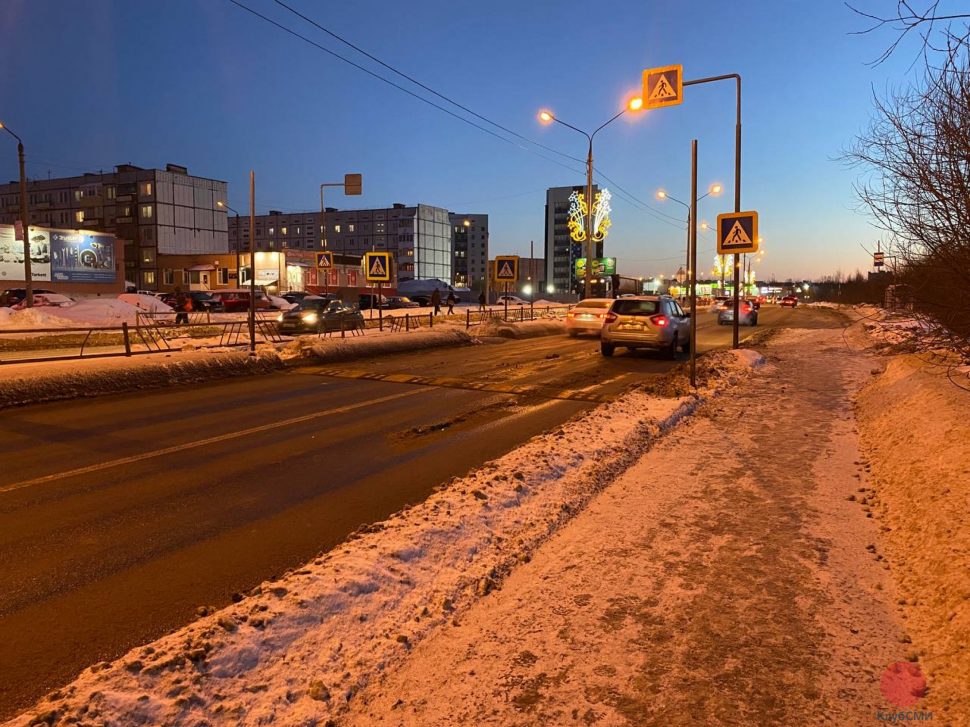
x: 507, y: 268
x: 878, y: 259
x: 663, y: 86
x: 377, y: 267
x: 353, y: 184
x: 737, y: 233
x: 325, y: 260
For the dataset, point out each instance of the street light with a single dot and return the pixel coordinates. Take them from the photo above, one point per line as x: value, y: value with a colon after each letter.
x: 548, y: 117
x: 25, y: 225
x: 238, y: 242
x: 713, y: 191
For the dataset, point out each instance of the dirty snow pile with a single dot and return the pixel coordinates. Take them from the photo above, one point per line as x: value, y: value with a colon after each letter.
x: 296, y: 650
x: 89, y: 312
x: 526, y: 329
x: 914, y: 423
x: 374, y: 343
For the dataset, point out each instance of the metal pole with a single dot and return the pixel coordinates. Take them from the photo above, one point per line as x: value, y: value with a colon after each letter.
x: 692, y: 235
x: 588, y: 277
x: 238, y: 246
x: 488, y: 277
x: 28, y: 276
x: 532, y: 279
x: 252, y: 262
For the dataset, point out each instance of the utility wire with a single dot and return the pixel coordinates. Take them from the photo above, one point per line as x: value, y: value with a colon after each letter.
x: 422, y: 85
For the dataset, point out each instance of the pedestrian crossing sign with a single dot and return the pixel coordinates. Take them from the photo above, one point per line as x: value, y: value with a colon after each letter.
x: 663, y: 86
x: 377, y: 267
x: 737, y: 233
x: 507, y: 268
x: 325, y: 260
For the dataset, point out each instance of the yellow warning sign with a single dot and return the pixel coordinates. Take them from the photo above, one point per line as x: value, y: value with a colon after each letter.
x: 737, y: 233
x: 663, y: 86
x: 377, y: 267
x: 507, y: 268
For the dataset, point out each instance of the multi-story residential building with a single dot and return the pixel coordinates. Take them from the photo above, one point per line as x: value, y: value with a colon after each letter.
x: 420, y: 236
x: 561, y: 251
x: 470, y: 233
x: 155, y: 212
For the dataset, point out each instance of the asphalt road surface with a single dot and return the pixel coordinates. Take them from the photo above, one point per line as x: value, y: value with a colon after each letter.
x: 119, y: 516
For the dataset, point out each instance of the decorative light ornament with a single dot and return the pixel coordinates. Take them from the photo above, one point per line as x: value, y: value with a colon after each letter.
x: 578, y: 209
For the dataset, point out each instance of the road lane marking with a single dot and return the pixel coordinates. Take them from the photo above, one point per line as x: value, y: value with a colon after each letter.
x: 204, y: 442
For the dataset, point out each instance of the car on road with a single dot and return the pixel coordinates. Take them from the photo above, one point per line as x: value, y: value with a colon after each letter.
x: 747, y: 314
x: 317, y: 315
x: 201, y: 300
x: 511, y: 300
x: 647, y: 321
x: 372, y: 300
x: 235, y: 301
x: 396, y: 302
x: 789, y: 300
x: 755, y: 302
x: 587, y: 316
x: 719, y: 302
x: 12, y: 296
x: 295, y: 296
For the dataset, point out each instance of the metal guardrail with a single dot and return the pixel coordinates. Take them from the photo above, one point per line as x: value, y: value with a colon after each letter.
x: 518, y: 314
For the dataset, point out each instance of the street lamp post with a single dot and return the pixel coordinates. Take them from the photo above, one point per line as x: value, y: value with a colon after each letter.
x: 547, y: 117
x: 25, y: 225
x: 238, y: 241
x: 714, y: 189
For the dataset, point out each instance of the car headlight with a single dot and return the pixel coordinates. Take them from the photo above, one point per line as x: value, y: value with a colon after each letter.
x: 309, y: 317
x: 279, y: 318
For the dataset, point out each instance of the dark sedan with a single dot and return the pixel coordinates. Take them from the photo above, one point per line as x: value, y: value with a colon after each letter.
x: 399, y: 301
x: 318, y: 315
x: 201, y: 300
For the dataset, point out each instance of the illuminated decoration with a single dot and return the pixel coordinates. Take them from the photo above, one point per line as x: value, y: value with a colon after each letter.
x: 720, y: 265
x: 578, y: 209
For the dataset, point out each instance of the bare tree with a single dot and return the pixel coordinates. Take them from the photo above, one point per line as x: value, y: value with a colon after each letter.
x: 908, y: 20
x: 915, y: 158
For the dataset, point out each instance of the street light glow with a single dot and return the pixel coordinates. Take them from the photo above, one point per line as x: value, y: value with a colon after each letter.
x: 661, y: 194
x: 635, y: 104
x: 546, y: 117
x: 716, y: 189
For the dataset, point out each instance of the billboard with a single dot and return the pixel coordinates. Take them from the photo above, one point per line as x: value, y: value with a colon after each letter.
x: 82, y: 257
x: 12, y: 254
x: 601, y: 266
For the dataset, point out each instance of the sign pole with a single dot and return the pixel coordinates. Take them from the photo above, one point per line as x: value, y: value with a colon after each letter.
x: 692, y: 232
x: 252, y: 262
x: 506, y: 301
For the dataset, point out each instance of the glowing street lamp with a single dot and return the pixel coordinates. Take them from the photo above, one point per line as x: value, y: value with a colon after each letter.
x: 548, y: 117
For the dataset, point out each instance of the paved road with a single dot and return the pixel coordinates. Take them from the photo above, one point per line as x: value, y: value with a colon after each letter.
x: 119, y: 516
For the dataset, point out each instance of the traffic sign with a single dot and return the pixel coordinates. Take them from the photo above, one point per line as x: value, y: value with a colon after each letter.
x: 377, y: 267
x: 325, y: 260
x: 737, y: 232
x: 663, y: 86
x: 353, y: 184
x: 507, y: 268
x: 878, y: 259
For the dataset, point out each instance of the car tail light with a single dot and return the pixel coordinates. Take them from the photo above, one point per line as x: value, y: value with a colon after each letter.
x: 601, y: 315
x: 660, y: 321
x: 570, y: 314
x: 610, y: 317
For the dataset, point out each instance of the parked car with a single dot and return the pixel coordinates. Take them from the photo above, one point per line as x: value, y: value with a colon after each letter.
x: 401, y: 301
x: 587, y: 316
x: 235, y: 301
x: 370, y: 300
x: 295, y: 296
x: 747, y: 314
x: 201, y: 300
x: 789, y: 300
x: 511, y: 299
x: 11, y: 296
x: 423, y: 301
x: 317, y: 315
x: 647, y: 321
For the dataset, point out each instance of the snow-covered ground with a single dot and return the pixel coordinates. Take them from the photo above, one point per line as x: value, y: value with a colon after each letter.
x: 296, y: 650
x: 86, y: 313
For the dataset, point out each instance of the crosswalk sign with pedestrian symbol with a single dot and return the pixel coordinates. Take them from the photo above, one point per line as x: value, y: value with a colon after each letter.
x: 737, y: 233
x: 377, y: 267
x: 507, y: 268
x: 663, y: 86
x: 325, y: 260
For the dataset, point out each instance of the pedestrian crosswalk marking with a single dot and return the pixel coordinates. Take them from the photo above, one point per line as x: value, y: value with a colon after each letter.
x: 737, y: 235
x: 663, y: 90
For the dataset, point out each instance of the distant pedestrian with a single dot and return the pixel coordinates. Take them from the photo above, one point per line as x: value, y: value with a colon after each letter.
x: 451, y: 303
x: 436, y: 301
x: 183, y: 306
x: 481, y: 302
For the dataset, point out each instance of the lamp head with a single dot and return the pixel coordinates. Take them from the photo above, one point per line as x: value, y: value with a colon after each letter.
x: 661, y: 194
x: 546, y: 117
x: 716, y: 189
x: 634, y: 104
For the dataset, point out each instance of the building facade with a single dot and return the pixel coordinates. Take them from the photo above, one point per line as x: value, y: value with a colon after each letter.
x: 421, y: 236
x: 470, y: 232
x: 561, y: 251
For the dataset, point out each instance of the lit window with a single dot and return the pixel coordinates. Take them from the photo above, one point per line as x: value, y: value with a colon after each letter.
x: 78, y: 217
x: 271, y: 231
x: 78, y: 194
x: 283, y: 231
x: 146, y: 189
x: 148, y: 278
x: 336, y: 228
x: 350, y: 227
x: 146, y: 211
x: 110, y: 191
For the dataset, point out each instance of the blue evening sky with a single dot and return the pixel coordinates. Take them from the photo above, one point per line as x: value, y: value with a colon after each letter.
x: 202, y: 83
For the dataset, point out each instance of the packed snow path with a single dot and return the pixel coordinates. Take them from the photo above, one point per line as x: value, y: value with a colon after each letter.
x: 724, y: 579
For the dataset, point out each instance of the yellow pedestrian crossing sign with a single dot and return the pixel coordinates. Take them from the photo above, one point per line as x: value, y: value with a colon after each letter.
x: 737, y: 233
x: 377, y: 267
x: 325, y: 260
x: 507, y: 268
x: 663, y: 86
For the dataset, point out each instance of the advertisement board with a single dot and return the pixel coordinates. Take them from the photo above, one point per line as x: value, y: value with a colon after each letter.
x: 601, y: 266
x: 12, y: 254
x: 82, y: 257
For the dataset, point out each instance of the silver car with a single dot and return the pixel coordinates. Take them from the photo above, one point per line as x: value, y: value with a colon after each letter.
x: 587, y: 316
x: 646, y: 321
x: 747, y: 314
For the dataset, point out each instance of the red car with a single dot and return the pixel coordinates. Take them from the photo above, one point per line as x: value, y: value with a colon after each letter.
x: 789, y: 300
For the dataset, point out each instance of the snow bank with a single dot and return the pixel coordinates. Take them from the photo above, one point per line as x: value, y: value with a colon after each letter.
x: 297, y: 650
x: 915, y: 428
x: 148, y: 303
x: 526, y: 329
x: 343, y: 349
x: 91, y: 312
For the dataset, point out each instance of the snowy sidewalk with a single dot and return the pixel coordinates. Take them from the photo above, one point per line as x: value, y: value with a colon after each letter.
x: 726, y: 578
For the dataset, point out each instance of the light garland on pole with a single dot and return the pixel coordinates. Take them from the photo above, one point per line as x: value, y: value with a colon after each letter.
x: 578, y: 209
